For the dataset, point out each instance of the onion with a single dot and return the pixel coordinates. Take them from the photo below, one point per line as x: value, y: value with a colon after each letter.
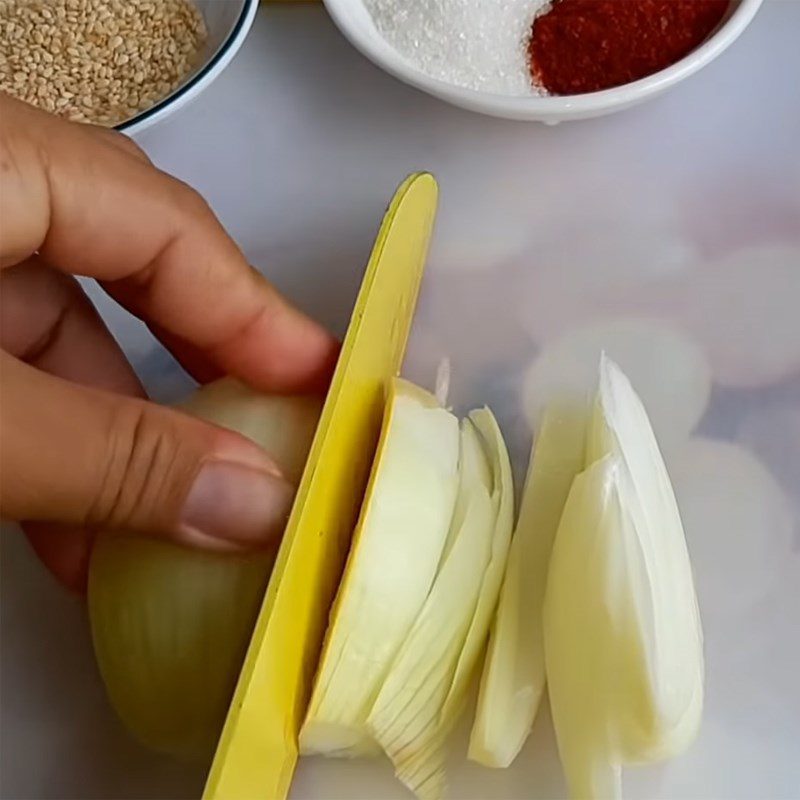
x: 423, y: 694
x: 514, y: 671
x: 170, y: 625
x: 667, y: 367
x: 414, y: 608
x: 396, y: 551
x: 283, y: 426
x: 623, y: 642
x: 593, y: 594
x: 404, y: 718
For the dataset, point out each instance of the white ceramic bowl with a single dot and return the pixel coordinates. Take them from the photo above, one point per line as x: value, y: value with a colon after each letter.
x: 228, y: 23
x: 353, y: 19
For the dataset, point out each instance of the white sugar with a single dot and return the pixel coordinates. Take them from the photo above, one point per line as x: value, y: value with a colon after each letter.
x: 478, y: 44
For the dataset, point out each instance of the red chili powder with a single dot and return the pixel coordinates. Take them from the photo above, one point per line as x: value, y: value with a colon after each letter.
x: 587, y: 45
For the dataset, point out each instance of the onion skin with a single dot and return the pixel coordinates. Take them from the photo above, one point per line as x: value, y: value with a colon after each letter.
x: 171, y: 625
x: 170, y: 656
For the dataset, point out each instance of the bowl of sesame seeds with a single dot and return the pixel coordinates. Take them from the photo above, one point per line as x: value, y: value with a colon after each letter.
x: 119, y: 63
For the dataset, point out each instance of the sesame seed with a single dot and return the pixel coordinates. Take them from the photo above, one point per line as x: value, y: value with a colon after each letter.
x: 97, y: 61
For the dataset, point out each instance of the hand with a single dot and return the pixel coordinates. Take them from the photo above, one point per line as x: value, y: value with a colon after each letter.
x: 81, y: 448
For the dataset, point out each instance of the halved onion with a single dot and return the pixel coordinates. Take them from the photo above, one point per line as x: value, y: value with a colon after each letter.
x: 170, y: 625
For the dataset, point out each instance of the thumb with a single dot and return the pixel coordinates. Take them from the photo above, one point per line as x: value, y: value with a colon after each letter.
x: 81, y: 456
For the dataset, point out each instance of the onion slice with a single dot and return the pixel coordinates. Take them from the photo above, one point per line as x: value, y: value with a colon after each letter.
x: 423, y: 696
x: 397, y: 547
x: 622, y: 633
x: 514, y: 671
x: 406, y: 715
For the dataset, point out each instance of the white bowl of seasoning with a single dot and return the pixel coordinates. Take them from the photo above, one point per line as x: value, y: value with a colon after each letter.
x: 356, y: 23
x: 118, y: 64
x: 228, y: 22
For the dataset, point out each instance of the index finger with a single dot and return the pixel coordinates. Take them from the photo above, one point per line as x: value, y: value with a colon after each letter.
x: 91, y: 208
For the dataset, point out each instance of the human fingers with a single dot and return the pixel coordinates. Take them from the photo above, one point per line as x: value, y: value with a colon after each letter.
x: 88, y: 207
x: 77, y: 455
x: 65, y: 550
x: 47, y: 321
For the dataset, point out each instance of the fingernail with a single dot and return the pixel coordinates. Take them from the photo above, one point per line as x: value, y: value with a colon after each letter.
x: 237, y: 504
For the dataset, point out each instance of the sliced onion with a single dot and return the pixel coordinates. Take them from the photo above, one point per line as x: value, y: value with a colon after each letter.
x: 578, y: 605
x: 405, y: 718
x: 425, y: 692
x: 514, y: 671
x: 667, y: 367
x: 623, y: 641
x: 393, y: 562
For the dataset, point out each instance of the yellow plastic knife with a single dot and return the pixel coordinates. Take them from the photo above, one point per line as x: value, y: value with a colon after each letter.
x: 257, y: 751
